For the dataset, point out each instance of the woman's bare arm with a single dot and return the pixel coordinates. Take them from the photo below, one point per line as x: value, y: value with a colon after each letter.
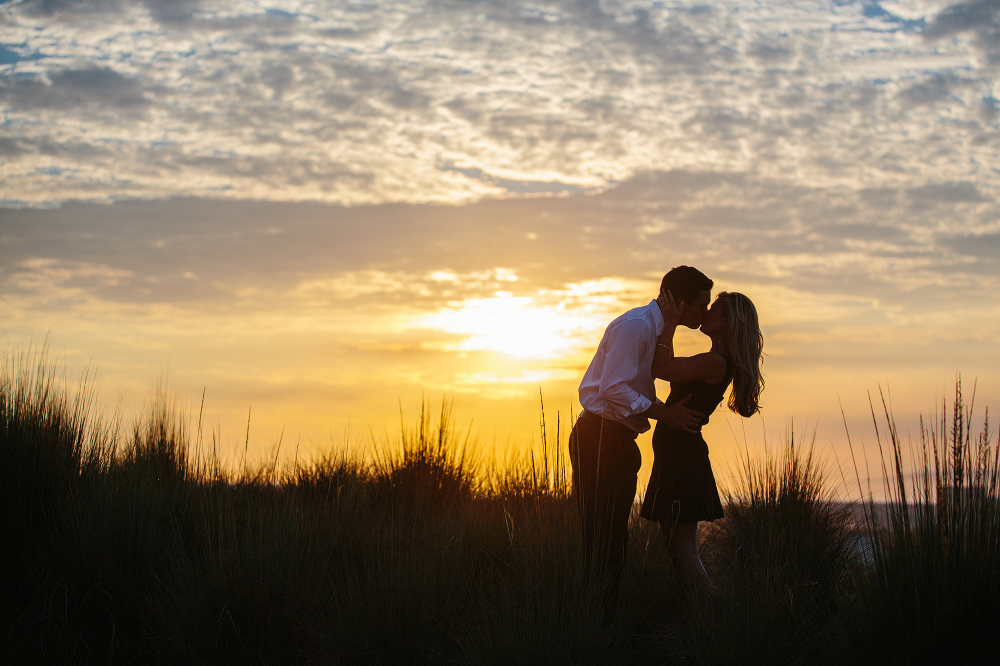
x: 708, y: 367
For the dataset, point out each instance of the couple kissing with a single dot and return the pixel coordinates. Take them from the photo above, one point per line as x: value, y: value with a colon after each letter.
x: 619, y: 398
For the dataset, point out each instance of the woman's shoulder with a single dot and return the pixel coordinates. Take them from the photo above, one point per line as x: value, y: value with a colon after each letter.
x: 711, y: 359
x: 718, y: 365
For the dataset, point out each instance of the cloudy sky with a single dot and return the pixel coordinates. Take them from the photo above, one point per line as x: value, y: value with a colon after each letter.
x: 320, y: 212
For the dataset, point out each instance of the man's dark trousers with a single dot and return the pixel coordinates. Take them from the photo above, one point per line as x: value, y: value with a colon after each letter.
x: 606, y: 463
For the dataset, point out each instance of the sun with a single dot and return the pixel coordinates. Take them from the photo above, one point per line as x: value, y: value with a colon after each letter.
x: 508, y: 324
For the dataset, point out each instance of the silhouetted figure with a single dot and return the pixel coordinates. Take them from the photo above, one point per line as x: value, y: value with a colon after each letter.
x: 619, y: 398
x: 682, y: 488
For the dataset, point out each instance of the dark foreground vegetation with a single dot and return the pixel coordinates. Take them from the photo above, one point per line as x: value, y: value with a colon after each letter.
x: 136, y: 548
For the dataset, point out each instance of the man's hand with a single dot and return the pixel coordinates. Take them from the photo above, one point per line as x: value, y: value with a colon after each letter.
x: 680, y: 417
x: 671, y: 310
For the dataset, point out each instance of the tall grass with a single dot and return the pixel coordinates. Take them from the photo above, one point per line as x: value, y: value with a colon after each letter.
x: 433, y: 465
x: 128, y: 545
x: 129, y: 549
x: 932, y: 591
x: 778, y: 559
x: 535, y: 476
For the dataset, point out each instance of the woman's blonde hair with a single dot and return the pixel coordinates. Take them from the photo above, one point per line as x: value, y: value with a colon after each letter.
x: 743, y: 346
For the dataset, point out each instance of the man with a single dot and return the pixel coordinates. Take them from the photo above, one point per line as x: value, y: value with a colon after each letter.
x: 619, y: 398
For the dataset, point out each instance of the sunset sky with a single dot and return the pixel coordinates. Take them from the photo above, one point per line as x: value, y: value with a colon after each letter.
x: 319, y: 213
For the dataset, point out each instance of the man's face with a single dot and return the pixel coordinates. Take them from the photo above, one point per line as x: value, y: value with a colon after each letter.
x: 694, y: 312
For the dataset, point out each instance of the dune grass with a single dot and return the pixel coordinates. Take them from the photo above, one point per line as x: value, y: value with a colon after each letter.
x: 932, y: 590
x: 131, y: 545
x: 780, y: 560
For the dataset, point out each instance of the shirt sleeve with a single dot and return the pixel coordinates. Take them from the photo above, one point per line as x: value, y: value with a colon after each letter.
x: 621, y: 366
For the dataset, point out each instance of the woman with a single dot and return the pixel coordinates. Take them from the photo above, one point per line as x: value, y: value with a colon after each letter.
x: 682, y: 487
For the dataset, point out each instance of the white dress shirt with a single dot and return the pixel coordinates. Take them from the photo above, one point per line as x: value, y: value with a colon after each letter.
x: 618, y: 385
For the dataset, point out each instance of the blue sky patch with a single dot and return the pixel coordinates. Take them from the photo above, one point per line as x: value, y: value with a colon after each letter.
x: 9, y: 56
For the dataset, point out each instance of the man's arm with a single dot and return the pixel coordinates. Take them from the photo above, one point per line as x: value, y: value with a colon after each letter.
x: 621, y: 364
x: 664, y: 352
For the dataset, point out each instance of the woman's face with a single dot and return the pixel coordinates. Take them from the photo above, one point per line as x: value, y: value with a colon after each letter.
x: 715, y: 321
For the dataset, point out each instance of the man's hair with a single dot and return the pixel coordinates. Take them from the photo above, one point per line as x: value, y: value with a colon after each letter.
x: 685, y: 283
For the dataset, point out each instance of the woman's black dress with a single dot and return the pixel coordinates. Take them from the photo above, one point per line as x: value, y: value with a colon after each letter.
x: 682, y: 486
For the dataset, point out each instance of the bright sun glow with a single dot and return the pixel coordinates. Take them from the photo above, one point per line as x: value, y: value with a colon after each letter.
x: 508, y: 324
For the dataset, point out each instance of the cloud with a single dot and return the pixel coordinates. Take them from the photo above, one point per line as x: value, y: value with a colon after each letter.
x: 439, y: 101
x: 35, y: 274
x: 51, y: 8
x: 862, y: 232
x: 934, y: 89
x: 90, y: 87
x: 522, y: 187
x: 948, y: 193
x: 867, y: 243
x: 172, y: 11
x: 722, y: 124
x: 11, y: 148
x: 71, y: 150
x: 766, y: 51
x: 982, y: 246
x: 963, y: 17
x: 187, y: 14
x: 979, y: 18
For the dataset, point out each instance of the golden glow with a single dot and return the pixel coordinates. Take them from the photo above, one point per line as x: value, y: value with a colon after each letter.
x: 508, y: 324
x: 338, y: 356
x: 548, y: 324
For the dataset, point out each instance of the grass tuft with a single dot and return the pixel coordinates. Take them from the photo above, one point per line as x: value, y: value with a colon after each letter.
x: 434, y: 465
x: 778, y: 560
x: 932, y: 591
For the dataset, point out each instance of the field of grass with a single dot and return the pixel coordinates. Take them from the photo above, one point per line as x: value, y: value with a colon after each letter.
x: 131, y: 545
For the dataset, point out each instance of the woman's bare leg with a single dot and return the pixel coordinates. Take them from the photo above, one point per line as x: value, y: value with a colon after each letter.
x: 682, y: 543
